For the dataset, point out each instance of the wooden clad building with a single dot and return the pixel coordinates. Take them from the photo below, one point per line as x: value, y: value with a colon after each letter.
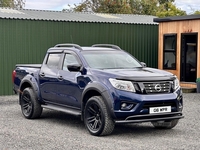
x: 179, y: 47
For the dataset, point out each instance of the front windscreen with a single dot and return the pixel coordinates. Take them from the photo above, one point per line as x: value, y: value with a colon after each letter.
x: 110, y: 60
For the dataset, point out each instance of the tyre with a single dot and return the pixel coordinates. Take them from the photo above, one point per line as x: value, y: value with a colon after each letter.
x: 97, y: 118
x: 167, y: 124
x: 30, y: 106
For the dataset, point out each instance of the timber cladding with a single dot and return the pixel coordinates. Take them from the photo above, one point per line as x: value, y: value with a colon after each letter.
x: 180, y: 26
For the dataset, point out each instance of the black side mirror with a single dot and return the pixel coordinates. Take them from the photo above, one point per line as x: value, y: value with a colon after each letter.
x: 74, y: 67
x: 143, y: 64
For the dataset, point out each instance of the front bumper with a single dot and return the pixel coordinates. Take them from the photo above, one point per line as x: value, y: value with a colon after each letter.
x: 142, y: 104
x: 151, y: 117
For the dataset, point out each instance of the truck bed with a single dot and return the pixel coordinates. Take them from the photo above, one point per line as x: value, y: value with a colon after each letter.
x: 29, y: 65
x: 23, y: 70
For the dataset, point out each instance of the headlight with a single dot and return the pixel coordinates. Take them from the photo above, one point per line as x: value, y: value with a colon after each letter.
x: 122, y: 85
x: 176, y: 83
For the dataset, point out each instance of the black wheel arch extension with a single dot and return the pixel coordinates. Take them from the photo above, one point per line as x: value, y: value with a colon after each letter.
x: 97, y: 89
x: 29, y: 81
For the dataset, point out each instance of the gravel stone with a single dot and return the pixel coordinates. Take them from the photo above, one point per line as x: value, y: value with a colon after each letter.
x: 56, y: 130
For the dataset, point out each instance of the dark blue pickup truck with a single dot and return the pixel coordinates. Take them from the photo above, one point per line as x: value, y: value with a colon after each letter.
x: 102, y: 84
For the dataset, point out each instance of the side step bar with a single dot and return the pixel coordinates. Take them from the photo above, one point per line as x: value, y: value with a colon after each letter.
x: 63, y: 109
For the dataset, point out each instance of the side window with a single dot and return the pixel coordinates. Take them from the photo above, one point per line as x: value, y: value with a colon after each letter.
x: 169, y: 51
x: 53, y: 60
x: 69, y: 60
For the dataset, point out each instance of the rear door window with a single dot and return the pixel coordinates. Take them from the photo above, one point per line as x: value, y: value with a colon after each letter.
x: 53, y: 60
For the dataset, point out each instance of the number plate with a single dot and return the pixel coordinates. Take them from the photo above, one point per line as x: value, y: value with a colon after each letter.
x: 164, y: 109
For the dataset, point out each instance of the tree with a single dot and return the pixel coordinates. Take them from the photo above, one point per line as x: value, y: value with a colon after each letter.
x: 194, y: 12
x: 165, y: 3
x: 171, y: 10
x: 160, y: 8
x: 102, y: 6
x: 82, y: 7
x: 197, y: 12
x: 144, y: 7
x: 19, y: 3
x: 12, y: 3
x: 114, y: 6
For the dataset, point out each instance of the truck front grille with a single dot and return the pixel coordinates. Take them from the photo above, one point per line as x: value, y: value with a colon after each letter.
x: 157, y: 87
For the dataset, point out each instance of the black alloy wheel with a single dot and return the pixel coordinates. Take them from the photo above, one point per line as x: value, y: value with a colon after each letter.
x: 30, y: 106
x: 26, y: 104
x: 96, y: 117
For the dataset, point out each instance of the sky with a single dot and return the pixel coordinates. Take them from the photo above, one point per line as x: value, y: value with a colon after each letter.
x: 58, y: 5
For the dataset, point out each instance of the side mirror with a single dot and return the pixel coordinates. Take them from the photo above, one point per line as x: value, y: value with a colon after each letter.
x: 143, y: 64
x: 74, y: 67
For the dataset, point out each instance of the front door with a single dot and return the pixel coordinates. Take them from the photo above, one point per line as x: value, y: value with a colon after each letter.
x: 188, y: 57
x: 68, y: 89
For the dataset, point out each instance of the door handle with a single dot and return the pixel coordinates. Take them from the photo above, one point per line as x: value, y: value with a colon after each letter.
x: 42, y: 74
x: 60, y: 78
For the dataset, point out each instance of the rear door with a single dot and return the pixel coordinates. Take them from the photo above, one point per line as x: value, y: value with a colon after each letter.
x: 48, y: 76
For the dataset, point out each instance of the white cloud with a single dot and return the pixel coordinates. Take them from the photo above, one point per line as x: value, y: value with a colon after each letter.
x: 188, y: 5
x: 49, y: 4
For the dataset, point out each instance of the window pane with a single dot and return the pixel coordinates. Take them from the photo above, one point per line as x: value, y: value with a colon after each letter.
x: 53, y: 60
x: 169, y: 51
x: 169, y: 43
x: 69, y: 60
x: 110, y: 60
x: 169, y: 60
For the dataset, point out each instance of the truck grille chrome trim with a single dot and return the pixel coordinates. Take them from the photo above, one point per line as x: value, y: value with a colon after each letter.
x: 157, y: 87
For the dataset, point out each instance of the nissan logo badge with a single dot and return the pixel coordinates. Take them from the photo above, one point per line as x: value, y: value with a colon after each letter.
x: 158, y: 87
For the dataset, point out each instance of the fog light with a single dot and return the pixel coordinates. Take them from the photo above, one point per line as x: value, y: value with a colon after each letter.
x: 126, y: 106
x: 180, y: 107
x: 123, y: 105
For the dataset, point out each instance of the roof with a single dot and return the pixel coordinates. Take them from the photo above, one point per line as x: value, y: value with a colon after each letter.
x: 27, y: 14
x: 177, y: 18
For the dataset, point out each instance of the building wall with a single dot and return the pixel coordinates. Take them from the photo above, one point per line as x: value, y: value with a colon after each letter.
x: 26, y: 41
x: 178, y: 27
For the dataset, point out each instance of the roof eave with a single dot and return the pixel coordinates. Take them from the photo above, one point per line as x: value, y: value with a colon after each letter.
x: 177, y: 18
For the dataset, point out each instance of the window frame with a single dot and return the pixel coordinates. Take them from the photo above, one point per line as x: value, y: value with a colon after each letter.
x: 173, y: 50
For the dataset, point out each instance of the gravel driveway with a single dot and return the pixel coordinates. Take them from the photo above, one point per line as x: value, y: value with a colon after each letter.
x: 57, y: 130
